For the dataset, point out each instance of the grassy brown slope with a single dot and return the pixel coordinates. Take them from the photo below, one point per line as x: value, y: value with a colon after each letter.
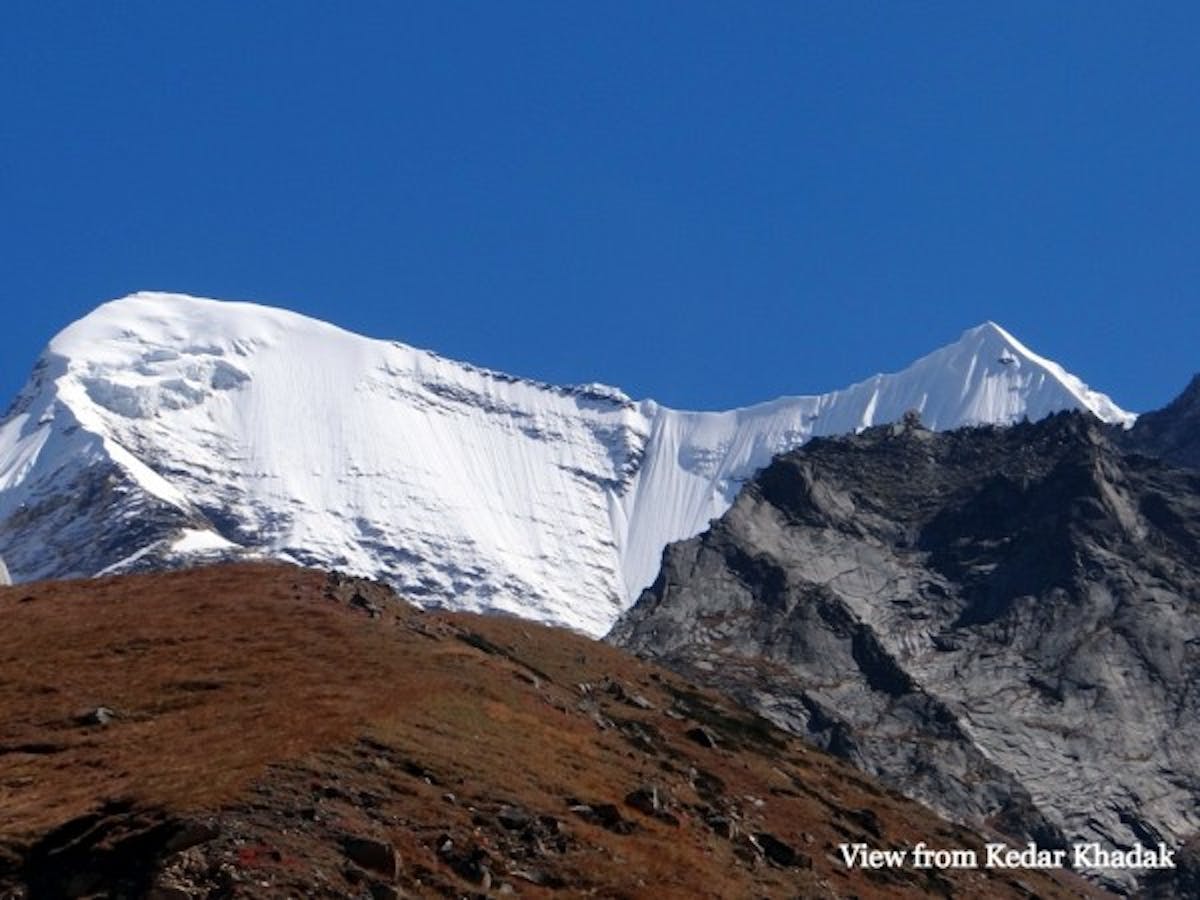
x: 266, y: 719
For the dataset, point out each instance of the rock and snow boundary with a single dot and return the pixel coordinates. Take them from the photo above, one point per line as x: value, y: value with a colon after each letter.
x: 163, y: 428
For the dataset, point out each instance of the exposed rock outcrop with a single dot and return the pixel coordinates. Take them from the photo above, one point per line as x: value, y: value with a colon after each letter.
x: 1171, y: 433
x: 1001, y: 622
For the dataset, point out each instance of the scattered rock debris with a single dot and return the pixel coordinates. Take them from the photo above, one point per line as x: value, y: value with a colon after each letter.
x: 416, y: 764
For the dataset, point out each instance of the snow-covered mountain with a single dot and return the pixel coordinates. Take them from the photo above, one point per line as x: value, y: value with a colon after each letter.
x: 163, y: 427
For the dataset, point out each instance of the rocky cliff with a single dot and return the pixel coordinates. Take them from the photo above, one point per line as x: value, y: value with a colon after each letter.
x: 1000, y: 621
x: 1171, y: 433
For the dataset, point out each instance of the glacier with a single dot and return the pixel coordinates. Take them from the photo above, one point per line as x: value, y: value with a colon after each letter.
x: 163, y: 429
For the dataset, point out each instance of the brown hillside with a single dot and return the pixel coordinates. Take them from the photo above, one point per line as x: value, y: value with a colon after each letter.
x: 267, y: 731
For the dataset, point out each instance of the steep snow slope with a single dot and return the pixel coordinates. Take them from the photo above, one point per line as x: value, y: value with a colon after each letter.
x: 164, y: 427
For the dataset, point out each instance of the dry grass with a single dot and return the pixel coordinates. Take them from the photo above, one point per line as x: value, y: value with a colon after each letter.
x: 251, y: 692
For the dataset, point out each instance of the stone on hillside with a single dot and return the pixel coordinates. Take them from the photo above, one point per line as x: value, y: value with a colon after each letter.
x: 374, y: 855
x: 100, y: 715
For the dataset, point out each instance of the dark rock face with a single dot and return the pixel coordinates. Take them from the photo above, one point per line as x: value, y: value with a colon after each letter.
x: 1004, y: 623
x: 113, y: 851
x: 1180, y: 883
x: 375, y: 855
x: 1173, y: 432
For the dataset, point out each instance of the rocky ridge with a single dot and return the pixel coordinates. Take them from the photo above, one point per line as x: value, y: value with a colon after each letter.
x: 1171, y: 433
x: 999, y: 621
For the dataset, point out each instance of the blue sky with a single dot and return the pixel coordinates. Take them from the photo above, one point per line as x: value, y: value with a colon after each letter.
x: 710, y: 204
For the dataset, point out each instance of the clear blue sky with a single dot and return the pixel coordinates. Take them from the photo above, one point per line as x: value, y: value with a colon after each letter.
x: 707, y: 203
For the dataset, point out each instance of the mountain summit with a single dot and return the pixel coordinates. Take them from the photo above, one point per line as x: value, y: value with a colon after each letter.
x: 161, y: 428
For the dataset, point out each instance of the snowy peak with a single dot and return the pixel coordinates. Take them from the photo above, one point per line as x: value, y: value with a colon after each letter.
x: 163, y: 428
x: 987, y: 376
